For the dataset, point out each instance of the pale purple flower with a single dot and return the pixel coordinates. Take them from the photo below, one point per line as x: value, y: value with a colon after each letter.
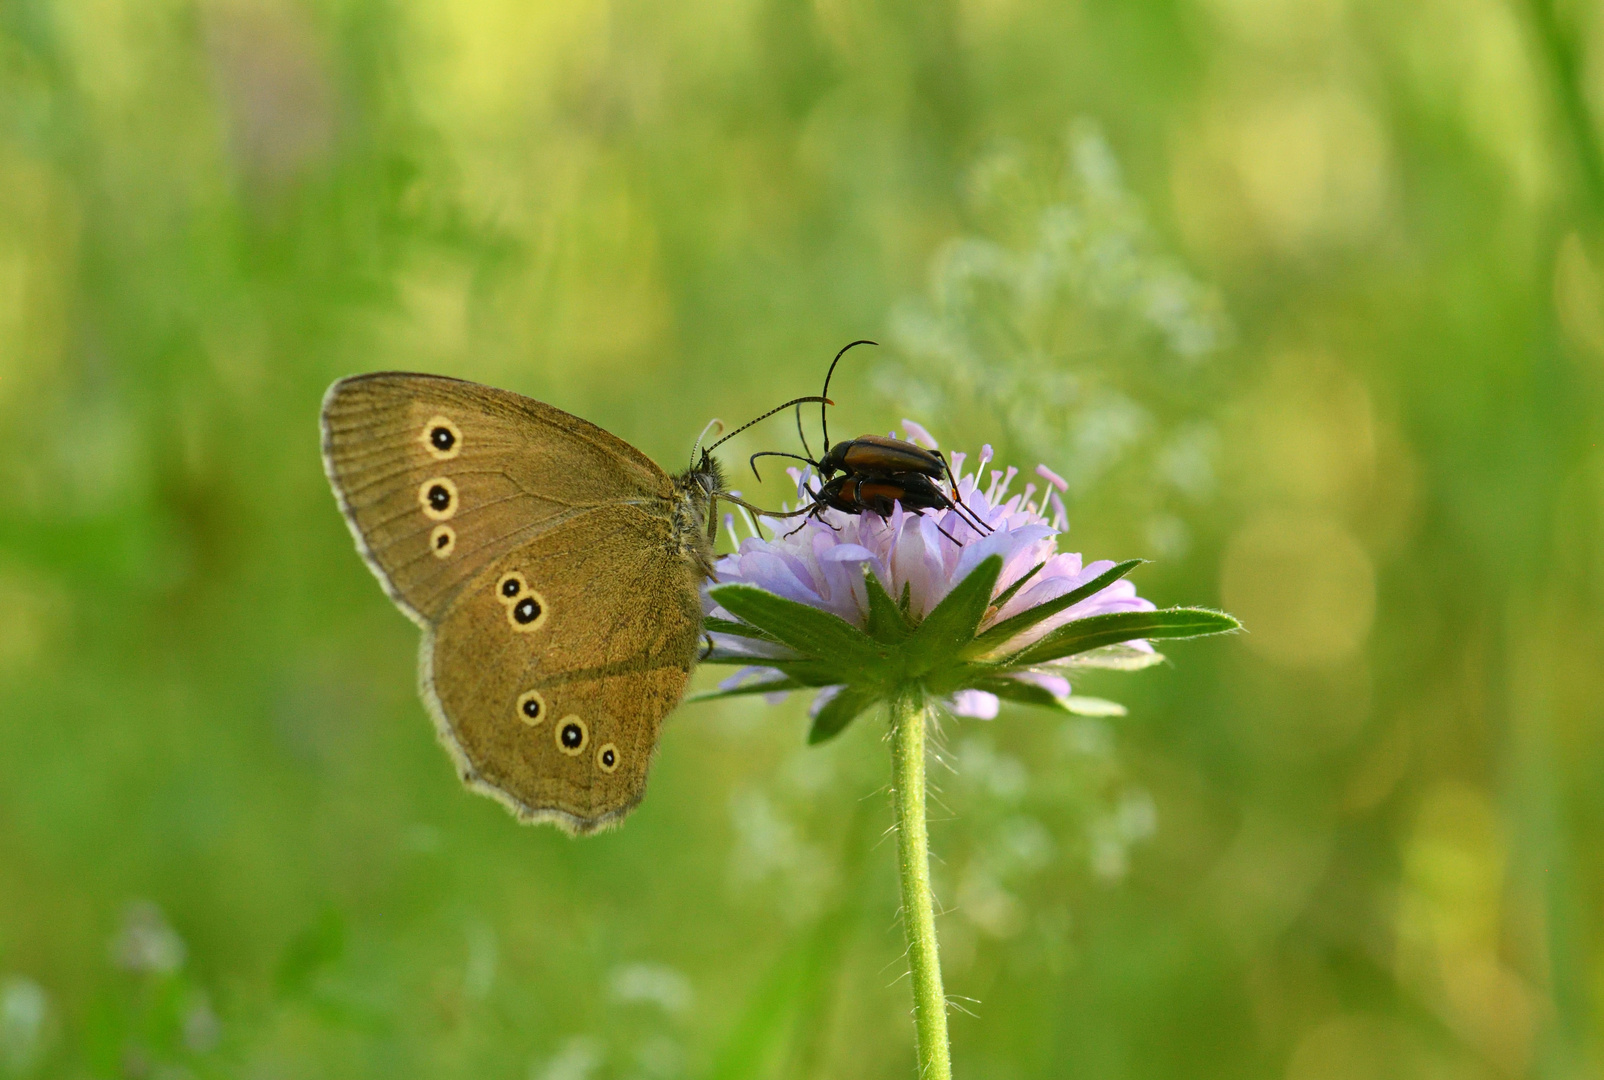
x: 821, y: 563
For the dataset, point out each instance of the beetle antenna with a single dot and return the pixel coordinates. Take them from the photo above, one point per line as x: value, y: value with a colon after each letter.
x: 823, y: 420
x: 776, y: 453
x: 765, y: 416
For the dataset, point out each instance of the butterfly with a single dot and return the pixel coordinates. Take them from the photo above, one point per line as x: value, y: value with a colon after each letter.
x: 554, y: 569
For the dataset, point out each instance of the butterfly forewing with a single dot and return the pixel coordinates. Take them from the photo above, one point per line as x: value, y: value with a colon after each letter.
x: 549, y: 705
x: 439, y: 477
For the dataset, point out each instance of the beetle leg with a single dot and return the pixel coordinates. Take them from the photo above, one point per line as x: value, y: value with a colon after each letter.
x: 939, y: 529
x: 813, y: 511
x: 820, y: 520
x: 959, y: 505
x: 968, y: 517
x: 945, y: 533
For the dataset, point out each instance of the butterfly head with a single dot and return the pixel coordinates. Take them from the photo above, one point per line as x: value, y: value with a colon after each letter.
x: 706, y: 474
x: 695, y: 519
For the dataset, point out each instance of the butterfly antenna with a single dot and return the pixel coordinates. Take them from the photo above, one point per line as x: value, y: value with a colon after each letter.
x: 711, y: 424
x: 765, y: 416
x: 824, y: 394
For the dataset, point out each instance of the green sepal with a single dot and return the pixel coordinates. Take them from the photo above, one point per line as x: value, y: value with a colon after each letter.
x: 808, y: 630
x: 718, y: 656
x: 1119, y: 658
x: 1021, y: 692
x: 820, y: 673
x: 1018, y: 624
x: 715, y: 625
x: 1081, y: 705
x: 1030, y: 694
x: 766, y: 687
x: 887, y: 623
x: 950, y: 626
x: 1083, y: 635
x: 958, y: 675
x: 1008, y: 593
x: 805, y: 672
x: 840, y: 711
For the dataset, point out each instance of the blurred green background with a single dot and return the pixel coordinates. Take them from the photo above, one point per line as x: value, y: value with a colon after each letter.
x: 1304, y: 297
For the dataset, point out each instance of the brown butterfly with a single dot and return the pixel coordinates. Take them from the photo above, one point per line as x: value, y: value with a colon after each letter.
x: 556, y: 572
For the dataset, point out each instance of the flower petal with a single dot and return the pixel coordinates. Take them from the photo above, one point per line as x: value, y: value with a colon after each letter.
x: 918, y: 435
x: 1056, y: 685
x: 975, y: 703
x: 823, y: 698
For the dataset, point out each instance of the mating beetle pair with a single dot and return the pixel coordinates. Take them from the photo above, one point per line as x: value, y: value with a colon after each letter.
x: 875, y: 472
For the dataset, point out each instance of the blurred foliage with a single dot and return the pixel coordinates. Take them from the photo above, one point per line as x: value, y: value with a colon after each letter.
x: 1305, y: 297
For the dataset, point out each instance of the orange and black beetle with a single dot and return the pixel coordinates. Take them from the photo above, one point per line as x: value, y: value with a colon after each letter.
x: 876, y: 472
x: 880, y: 455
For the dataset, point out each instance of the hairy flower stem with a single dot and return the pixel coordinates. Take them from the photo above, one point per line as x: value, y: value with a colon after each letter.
x: 910, y: 713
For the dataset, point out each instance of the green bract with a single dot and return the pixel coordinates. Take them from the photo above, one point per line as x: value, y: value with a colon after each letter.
x: 941, y: 655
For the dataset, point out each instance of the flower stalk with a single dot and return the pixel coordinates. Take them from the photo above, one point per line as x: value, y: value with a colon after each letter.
x: 910, y: 715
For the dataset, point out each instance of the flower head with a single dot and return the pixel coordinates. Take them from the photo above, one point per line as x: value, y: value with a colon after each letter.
x: 891, y: 578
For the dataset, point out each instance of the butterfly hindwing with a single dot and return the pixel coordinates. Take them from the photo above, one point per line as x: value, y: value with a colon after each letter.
x: 551, y: 673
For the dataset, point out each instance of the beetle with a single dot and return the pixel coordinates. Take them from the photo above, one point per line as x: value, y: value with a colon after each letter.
x: 875, y: 472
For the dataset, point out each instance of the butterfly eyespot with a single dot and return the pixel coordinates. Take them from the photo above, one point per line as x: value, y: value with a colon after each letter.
x: 510, y: 587
x: 531, y: 707
x: 441, y: 438
x: 607, y: 758
x: 571, y: 735
x: 443, y: 541
x: 528, y: 612
x: 438, y: 497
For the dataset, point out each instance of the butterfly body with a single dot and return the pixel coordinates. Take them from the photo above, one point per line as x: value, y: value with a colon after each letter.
x: 555, y: 571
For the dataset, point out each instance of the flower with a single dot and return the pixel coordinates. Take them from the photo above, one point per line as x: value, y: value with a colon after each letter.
x: 967, y: 606
x: 839, y: 563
